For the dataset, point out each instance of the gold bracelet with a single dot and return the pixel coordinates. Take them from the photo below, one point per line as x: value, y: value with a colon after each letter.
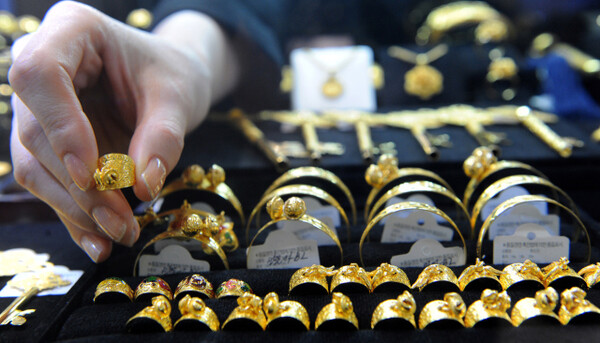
x: 294, y: 209
x: 419, y: 187
x: 491, y: 305
x: 312, y: 191
x: 522, y: 199
x: 406, y: 206
x: 314, y: 172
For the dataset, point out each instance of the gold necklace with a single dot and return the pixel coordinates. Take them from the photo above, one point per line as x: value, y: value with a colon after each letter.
x: 332, y: 87
x: 422, y: 80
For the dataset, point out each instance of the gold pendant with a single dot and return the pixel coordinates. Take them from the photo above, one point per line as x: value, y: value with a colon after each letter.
x: 423, y: 81
x: 332, y: 88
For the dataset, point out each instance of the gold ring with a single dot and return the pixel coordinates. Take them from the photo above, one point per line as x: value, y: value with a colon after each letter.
x: 575, y: 307
x: 337, y: 315
x: 115, y: 171
x: 542, y: 307
x: 527, y: 275
x: 283, y: 191
x: 395, y: 314
x: 195, y: 315
x: 113, y: 290
x: 406, y: 206
x: 285, y: 315
x: 438, y: 274
x: 491, y: 307
x: 151, y: 287
x: 388, y: 277
x: 418, y: 187
x: 480, y: 276
x: 153, y: 318
x: 591, y: 274
x: 351, y: 279
x: 314, y: 172
x: 559, y: 275
x: 233, y: 288
x: 213, y: 181
x: 194, y: 285
x: 522, y: 199
x: 450, y: 311
x: 311, y: 280
x: 248, y: 315
x: 294, y: 209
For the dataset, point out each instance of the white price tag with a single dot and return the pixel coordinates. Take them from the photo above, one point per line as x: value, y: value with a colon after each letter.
x: 190, y: 245
x: 521, y: 214
x: 65, y: 273
x: 507, y: 194
x: 530, y: 242
x: 283, y: 250
x: 417, y: 225
x: 429, y: 251
x: 172, y: 259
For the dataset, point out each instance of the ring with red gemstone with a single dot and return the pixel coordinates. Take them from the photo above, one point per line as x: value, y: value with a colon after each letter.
x: 233, y: 288
x: 151, y: 287
x: 195, y: 285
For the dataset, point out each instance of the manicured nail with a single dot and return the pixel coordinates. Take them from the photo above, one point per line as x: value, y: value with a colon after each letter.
x: 78, y: 171
x: 154, y: 176
x: 109, y: 222
x: 90, y: 247
x: 132, y: 235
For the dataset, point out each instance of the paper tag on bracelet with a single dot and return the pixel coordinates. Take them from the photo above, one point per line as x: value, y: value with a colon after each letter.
x: 429, y: 251
x: 172, y: 259
x: 417, y: 225
x: 507, y: 224
x: 413, y: 197
x: 507, y: 194
x: 530, y: 242
x: 283, y: 250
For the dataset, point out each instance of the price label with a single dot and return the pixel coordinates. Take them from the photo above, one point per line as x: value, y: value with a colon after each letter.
x: 417, y: 225
x: 507, y: 194
x: 429, y: 251
x: 521, y: 214
x: 282, y: 249
x: 172, y: 259
x: 530, y: 242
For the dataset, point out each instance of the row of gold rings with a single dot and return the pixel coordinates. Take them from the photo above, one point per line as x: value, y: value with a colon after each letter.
x: 294, y: 209
x: 114, y: 289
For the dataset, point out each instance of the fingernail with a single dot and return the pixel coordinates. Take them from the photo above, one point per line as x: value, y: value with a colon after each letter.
x: 90, y: 248
x: 109, y: 222
x: 78, y: 171
x: 154, y: 176
x: 132, y: 235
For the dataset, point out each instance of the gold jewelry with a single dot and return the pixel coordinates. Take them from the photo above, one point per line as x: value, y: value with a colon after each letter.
x: 114, y: 171
x: 285, y: 315
x: 502, y: 68
x: 248, y: 315
x: 574, y: 306
x: 406, y: 206
x: 591, y: 274
x: 332, y: 87
x: 577, y: 59
x: 527, y: 274
x: 195, y: 315
x: 195, y: 285
x: 140, y: 18
x: 313, y: 172
x: 15, y: 261
x: 351, y: 279
x: 153, y: 318
x: 233, y: 288
x: 152, y: 286
x: 486, y: 276
x: 541, y: 306
x: 294, y: 209
x: 388, y: 277
x: 339, y: 314
x: 523, y: 199
x: 395, y: 313
x: 438, y: 274
x: 113, y: 290
x: 492, y: 305
x: 452, y: 309
x: 558, y: 273
x: 422, y: 80
x: 310, y: 280
x: 213, y: 181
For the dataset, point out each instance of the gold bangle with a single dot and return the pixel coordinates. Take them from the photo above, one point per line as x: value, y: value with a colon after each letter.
x: 194, y: 285
x: 195, y: 315
x: 153, y: 286
x: 559, y: 275
x: 439, y: 275
x: 521, y: 199
x: 511, y: 181
x: 491, y: 306
x: 213, y: 181
x: 337, y: 315
x: 233, y: 288
x: 314, y: 172
x: 113, y: 290
x: 591, y: 274
x: 450, y: 310
x: 418, y: 187
x: 541, y: 306
x: 248, y: 315
x: 114, y: 171
x: 153, y: 318
x: 294, y: 209
x: 575, y: 307
x: 351, y: 279
x: 484, y: 276
x: 526, y: 274
x: 312, y: 191
x: 285, y: 315
x: 406, y: 206
x: 310, y: 280
x: 388, y: 277
x: 395, y: 314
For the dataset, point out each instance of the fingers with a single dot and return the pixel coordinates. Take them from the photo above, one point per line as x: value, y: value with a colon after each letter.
x: 96, y: 247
